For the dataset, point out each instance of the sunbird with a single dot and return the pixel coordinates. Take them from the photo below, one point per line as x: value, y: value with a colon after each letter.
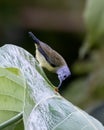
x: 50, y: 59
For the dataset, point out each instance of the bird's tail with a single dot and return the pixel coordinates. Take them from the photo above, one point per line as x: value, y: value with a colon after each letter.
x: 35, y: 39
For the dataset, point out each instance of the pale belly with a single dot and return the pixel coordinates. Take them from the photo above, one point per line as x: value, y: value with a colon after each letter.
x: 42, y: 61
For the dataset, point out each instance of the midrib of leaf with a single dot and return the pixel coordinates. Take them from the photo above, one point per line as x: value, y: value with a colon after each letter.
x: 86, y: 118
x: 43, y: 100
x: 89, y: 121
x: 62, y: 121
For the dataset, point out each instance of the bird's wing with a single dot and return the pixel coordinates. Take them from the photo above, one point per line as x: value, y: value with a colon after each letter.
x: 53, y: 58
x: 46, y: 56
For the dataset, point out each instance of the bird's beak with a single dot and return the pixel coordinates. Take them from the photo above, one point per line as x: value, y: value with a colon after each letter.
x: 60, y: 82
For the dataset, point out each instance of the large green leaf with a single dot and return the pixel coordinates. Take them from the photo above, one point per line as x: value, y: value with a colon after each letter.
x: 44, y: 109
x: 12, y: 90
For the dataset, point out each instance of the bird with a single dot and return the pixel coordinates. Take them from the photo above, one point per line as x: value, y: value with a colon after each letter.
x: 50, y: 59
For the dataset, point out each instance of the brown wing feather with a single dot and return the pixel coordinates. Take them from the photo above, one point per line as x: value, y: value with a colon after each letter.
x: 54, y: 58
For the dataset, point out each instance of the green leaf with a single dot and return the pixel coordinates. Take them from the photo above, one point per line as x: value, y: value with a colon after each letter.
x: 94, y: 21
x: 44, y: 108
x: 11, y: 93
x: 12, y: 124
x: 94, y: 18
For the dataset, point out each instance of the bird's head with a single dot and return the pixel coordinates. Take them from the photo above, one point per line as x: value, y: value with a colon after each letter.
x: 63, y: 73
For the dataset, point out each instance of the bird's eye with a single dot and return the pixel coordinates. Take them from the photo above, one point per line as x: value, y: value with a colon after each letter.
x: 65, y: 76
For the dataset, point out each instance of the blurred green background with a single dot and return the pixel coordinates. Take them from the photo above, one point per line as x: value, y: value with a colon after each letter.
x: 76, y: 30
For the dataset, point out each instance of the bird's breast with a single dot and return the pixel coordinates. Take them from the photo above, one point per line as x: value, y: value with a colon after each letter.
x: 43, y: 63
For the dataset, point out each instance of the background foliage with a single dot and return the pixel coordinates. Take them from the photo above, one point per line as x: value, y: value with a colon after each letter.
x: 88, y: 90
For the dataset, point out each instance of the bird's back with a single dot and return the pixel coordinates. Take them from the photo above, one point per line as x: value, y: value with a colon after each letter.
x: 51, y: 55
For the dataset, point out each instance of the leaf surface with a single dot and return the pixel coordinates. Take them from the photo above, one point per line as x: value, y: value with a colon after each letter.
x: 44, y: 108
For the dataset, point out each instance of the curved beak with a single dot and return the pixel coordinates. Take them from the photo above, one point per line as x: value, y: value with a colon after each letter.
x: 60, y: 82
